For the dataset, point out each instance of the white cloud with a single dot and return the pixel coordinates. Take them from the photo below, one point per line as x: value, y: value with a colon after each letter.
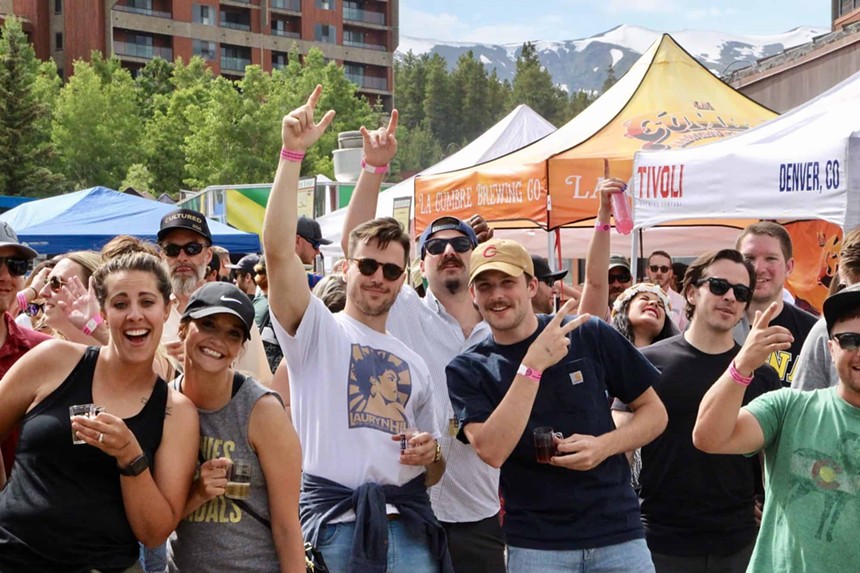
x: 708, y: 13
x: 432, y: 26
x: 450, y: 28
x: 616, y: 7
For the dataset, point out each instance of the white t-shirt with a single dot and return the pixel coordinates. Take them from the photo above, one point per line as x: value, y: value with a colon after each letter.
x: 352, y: 389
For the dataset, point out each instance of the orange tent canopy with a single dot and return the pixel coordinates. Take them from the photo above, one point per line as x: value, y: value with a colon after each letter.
x: 666, y: 100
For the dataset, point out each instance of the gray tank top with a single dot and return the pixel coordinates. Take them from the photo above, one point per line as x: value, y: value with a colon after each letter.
x: 220, y: 536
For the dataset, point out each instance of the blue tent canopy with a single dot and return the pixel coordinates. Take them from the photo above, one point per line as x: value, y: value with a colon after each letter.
x: 90, y: 218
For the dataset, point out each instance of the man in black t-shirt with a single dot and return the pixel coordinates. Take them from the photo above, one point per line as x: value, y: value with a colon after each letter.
x: 540, y: 371
x: 767, y: 245
x: 697, y: 508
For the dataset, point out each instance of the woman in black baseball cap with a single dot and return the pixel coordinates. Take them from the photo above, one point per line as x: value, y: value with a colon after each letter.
x: 240, y: 421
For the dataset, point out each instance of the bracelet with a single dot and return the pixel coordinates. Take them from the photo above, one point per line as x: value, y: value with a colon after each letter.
x: 438, y: 455
x: 529, y: 373
x: 35, y: 292
x: 738, y: 377
x: 22, y: 301
x: 92, y: 324
x: 292, y: 155
x: 372, y: 168
x: 601, y: 226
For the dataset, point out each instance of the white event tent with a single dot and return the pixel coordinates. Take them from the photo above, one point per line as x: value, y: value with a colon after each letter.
x: 517, y: 129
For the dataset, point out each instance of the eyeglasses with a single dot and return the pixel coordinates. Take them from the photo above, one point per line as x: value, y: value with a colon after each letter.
x: 33, y: 309
x: 17, y: 266
x: 56, y: 283
x: 191, y: 249
x: 315, y: 245
x: 720, y: 287
x: 661, y: 268
x: 849, y: 341
x: 622, y: 277
x: 368, y: 267
x: 438, y: 246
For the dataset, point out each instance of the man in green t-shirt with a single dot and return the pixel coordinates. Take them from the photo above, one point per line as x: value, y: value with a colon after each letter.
x: 811, y: 444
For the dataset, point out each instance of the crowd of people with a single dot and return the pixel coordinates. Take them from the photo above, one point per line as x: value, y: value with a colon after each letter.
x: 469, y: 411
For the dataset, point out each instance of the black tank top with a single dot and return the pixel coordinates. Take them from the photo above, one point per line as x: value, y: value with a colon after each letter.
x: 62, y: 508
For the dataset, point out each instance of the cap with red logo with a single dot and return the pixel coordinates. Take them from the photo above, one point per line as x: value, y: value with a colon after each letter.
x: 502, y: 255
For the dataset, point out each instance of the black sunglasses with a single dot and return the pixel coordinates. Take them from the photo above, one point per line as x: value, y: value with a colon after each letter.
x: 191, y: 249
x: 438, y: 246
x: 720, y: 287
x: 661, y: 268
x: 17, y: 266
x: 315, y: 245
x: 56, y: 283
x: 622, y: 277
x: 849, y: 341
x: 549, y: 281
x: 368, y: 267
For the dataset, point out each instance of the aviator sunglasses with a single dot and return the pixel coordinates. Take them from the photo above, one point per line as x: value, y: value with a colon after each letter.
x: 56, y: 283
x: 368, y: 267
x: 849, y: 341
x: 438, y: 246
x: 17, y: 266
x: 720, y: 287
x: 191, y: 249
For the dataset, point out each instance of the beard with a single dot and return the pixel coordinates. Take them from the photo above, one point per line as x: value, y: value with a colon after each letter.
x: 453, y: 285
x: 184, y: 285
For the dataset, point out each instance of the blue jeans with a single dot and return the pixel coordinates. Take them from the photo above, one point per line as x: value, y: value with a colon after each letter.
x: 407, y: 552
x: 153, y: 560
x: 628, y: 557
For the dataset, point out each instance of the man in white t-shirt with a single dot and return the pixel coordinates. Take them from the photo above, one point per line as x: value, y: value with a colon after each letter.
x: 659, y: 271
x: 360, y: 399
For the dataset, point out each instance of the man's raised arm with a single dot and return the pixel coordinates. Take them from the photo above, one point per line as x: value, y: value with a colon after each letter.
x: 288, y: 287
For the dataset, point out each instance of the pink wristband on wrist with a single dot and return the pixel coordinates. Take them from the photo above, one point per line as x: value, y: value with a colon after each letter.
x: 292, y: 155
x: 738, y: 377
x: 373, y: 168
x: 529, y: 373
x: 92, y: 324
x: 601, y: 226
x: 22, y: 301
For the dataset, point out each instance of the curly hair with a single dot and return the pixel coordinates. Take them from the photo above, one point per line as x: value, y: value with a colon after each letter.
x: 621, y: 322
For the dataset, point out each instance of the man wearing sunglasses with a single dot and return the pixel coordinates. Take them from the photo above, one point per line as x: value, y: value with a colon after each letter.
x: 810, y: 442
x: 309, y: 239
x: 767, y: 245
x: 186, y: 246
x: 360, y: 398
x: 659, y: 271
x: 687, y: 496
x: 620, y: 277
x: 15, y: 340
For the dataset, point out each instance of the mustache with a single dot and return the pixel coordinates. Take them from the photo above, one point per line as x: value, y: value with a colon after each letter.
x: 451, y: 259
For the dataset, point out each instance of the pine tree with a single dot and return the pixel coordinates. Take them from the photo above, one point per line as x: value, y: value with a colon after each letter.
x: 440, y: 106
x: 25, y: 149
x: 471, y: 84
x: 533, y: 85
x: 610, y: 79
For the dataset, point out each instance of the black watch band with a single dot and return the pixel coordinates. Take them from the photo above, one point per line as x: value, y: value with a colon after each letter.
x: 136, y: 467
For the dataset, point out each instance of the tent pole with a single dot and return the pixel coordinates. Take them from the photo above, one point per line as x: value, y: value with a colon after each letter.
x: 635, y: 245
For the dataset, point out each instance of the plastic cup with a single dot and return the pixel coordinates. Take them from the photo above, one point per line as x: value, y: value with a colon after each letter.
x: 238, y: 480
x: 545, y: 447
x: 86, y: 410
x: 405, y: 436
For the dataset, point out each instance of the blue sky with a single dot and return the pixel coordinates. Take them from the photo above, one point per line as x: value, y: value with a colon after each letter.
x: 510, y: 21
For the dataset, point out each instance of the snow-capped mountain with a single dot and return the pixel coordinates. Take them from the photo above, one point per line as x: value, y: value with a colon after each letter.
x: 583, y: 64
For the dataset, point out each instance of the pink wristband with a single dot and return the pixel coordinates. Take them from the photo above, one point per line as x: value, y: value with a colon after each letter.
x: 372, y: 168
x: 92, y: 324
x: 738, y: 377
x: 292, y: 155
x: 22, y: 301
x: 601, y: 226
x: 529, y: 373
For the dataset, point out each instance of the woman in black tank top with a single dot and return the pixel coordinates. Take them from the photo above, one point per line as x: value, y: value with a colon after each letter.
x: 239, y: 420
x: 83, y: 507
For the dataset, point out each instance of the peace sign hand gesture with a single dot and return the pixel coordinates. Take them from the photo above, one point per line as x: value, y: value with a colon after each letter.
x: 380, y: 145
x: 762, y: 341
x: 552, y: 344
x: 298, y: 130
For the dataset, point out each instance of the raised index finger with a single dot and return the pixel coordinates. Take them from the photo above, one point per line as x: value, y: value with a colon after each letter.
x: 606, y: 169
x: 392, y: 122
x: 575, y: 323
x: 314, y: 98
x: 762, y: 320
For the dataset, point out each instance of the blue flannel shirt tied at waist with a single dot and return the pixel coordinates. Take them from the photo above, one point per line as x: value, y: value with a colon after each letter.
x: 322, y: 500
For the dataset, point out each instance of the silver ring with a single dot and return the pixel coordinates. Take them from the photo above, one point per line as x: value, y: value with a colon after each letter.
x: 101, y: 438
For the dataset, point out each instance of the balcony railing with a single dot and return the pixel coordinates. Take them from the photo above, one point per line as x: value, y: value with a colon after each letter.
x: 144, y: 11
x: 365, y: 45
x: 286, y: 33
x: 235, y: 25
x: 235, y: 64
x: 359, y: 15
x: 368, y: 82
x: 294, y: 5
x: 143, y: 51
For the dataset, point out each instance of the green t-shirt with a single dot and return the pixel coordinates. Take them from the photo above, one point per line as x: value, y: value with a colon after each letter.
x: 812, y: 481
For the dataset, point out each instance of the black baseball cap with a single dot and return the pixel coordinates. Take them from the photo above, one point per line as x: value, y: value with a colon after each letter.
x: 543, y: 272
x: 444, y: 224
x: 221, y: 298
x: 841, y: 303
x: 9, y: 238
x: 185, y: 219
x: 246, y: 264
x: 310, y: 230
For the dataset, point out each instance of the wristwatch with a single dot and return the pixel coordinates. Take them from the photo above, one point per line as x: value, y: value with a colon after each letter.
x: 136, y: 467
x: 438, y: 455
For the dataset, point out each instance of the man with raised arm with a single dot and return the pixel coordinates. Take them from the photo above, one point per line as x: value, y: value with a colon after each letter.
x: 576, y: 507
x: 360, y: 399
x: 810, y: 440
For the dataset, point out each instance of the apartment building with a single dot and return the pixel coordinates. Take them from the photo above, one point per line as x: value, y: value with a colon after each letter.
x: 361, y: 35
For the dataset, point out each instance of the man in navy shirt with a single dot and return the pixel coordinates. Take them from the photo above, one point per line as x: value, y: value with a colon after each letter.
x: 542, y: 371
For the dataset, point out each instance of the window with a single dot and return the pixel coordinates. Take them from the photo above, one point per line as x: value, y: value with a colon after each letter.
x: 351, y: 38
x: 326, y: 4
x: 202, y: 14
x: 58, y: 6
x: 58, y: 41
x: 204, y: 49
x: 325, y: 33
x: 279, y: 59
x: 139, y: 39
